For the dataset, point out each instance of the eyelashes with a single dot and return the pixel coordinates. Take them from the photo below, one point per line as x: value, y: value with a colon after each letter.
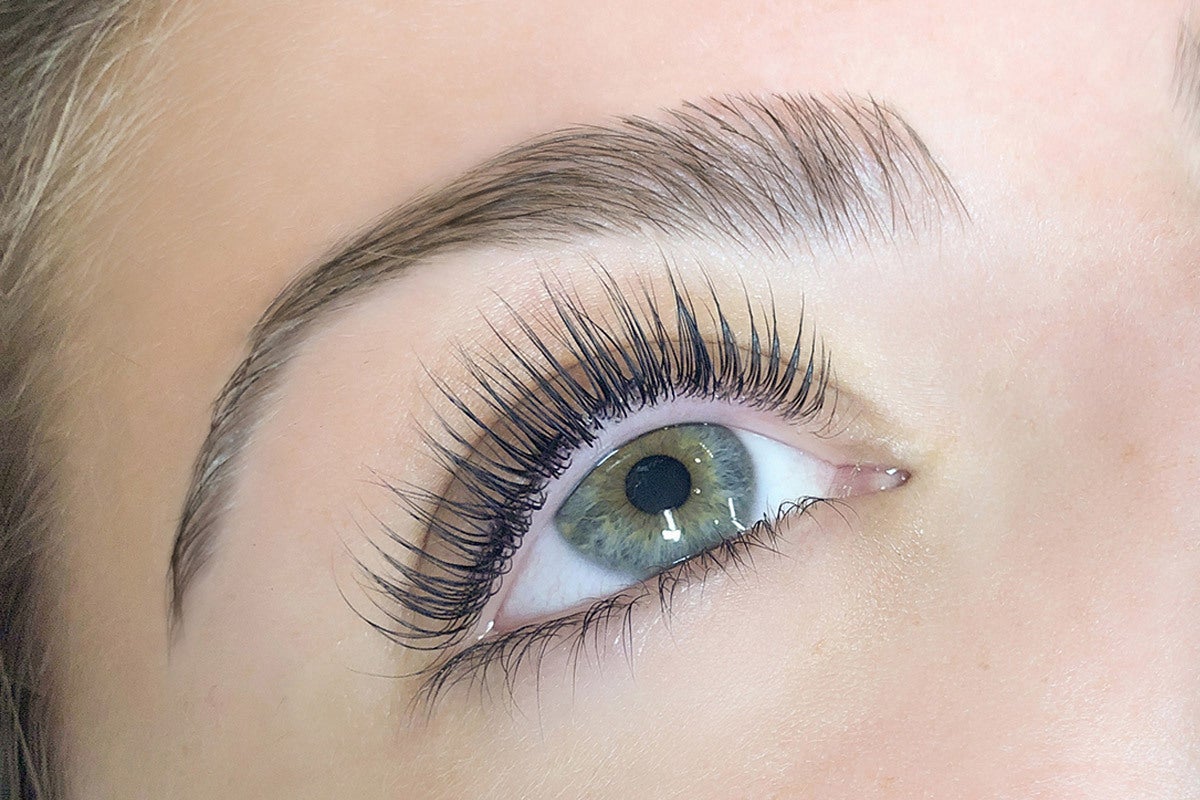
x: 544, y: 387
x: 587, y: 630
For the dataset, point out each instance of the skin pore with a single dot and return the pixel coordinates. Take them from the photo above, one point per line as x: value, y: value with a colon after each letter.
x: 1019, y: 620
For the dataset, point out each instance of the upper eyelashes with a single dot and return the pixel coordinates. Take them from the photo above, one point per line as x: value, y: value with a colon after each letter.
x: 551, y: 389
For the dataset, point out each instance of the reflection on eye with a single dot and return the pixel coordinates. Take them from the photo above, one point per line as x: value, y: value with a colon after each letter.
x: 518, y: 554
x: 663, y: 497
x: 658, y: 500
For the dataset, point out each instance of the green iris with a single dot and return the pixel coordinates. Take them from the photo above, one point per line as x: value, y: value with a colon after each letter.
x: 661, y: 498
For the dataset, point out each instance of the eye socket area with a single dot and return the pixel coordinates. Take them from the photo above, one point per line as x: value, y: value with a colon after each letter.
x: 659, y: 489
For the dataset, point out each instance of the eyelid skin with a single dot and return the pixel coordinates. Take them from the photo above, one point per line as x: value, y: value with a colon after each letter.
x: 552, y: 388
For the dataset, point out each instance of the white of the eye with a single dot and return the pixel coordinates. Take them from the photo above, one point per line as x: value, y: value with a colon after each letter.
x: 550, y: 577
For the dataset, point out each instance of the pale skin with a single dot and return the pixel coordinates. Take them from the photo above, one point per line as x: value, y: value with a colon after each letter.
x: 1021, y: 620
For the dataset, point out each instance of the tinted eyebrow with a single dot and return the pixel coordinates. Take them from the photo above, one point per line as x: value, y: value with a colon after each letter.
x: 773, y: 172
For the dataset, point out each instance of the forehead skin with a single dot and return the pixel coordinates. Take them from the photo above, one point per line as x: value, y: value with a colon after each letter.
x: 1053, y: 655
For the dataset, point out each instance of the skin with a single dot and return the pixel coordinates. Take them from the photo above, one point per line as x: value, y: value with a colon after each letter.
x: 1021, y: 620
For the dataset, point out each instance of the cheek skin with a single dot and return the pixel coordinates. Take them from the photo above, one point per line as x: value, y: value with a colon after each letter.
x: 1074, y: 584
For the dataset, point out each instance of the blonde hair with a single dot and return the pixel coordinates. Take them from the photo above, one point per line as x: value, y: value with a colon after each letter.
x: 56, y: 58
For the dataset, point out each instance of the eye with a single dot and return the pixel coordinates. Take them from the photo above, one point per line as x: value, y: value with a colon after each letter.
x: 618, y: 437
x: 657, y: 500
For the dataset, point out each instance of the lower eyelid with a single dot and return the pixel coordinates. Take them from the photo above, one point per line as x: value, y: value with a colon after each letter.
x: 503, y: 658
x: 612, y: 623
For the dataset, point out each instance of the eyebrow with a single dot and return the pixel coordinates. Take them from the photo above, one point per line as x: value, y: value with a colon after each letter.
x: 773, y: 172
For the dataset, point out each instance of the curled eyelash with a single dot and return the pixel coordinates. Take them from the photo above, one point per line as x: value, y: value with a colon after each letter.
x: 545, y: 391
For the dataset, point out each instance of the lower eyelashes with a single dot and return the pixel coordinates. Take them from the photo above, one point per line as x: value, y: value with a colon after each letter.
x: 518, y: 556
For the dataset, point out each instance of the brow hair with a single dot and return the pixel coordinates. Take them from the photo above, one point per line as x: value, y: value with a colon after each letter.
x: 771, y: 172
x: 1186, y: 75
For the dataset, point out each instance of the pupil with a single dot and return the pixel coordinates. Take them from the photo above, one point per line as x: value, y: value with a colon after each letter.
x: 658, y: 483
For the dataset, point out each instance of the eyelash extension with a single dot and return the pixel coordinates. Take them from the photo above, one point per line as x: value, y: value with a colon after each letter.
x: 547, y: 390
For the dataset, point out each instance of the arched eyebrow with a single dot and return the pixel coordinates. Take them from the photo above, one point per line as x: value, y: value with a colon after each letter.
x: 775, y: 173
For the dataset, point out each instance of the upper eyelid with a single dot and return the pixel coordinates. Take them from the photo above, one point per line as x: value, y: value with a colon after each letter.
x: 774, y: 172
